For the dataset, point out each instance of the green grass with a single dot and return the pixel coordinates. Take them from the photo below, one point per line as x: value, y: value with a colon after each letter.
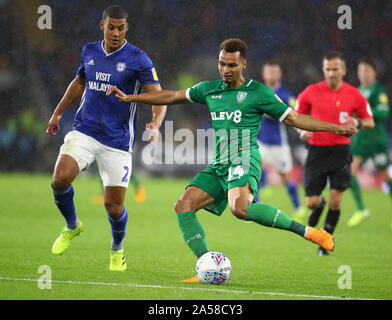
x: 267, y: 263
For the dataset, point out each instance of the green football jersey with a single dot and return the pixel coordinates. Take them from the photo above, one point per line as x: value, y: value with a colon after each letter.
x: 236, y: 115
x: 378, y: 101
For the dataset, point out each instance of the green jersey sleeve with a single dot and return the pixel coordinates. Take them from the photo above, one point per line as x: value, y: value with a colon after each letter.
x: 271, y: 104
x: 196, y: 94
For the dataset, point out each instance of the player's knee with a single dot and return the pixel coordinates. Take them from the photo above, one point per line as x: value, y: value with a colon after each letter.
x: 182, y: 206
x: 60, y: 182
x: 113, y: 209
x: 238, y: 211
x: 313, y: 203
x: 334, y: 204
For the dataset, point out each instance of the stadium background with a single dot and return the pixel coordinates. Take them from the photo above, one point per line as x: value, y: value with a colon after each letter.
x: 182, y: 39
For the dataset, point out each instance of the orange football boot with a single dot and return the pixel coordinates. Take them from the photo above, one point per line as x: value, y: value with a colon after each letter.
x: 194, y: 279
x: 320, y: 237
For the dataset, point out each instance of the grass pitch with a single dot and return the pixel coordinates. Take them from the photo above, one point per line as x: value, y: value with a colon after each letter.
x: 267, y: 263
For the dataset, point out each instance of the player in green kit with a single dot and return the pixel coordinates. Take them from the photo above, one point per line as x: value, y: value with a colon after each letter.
x: 370, y: 144
x: 237, y: 105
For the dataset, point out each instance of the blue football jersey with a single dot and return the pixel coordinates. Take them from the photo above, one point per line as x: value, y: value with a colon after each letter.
x: 102, y: 117
x: 273, y: 132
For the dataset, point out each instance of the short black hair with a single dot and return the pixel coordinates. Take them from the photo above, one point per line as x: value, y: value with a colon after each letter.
x: 115, y: 12
x: 333, y: 55
x: 369, y: 62
x: 234, y: 45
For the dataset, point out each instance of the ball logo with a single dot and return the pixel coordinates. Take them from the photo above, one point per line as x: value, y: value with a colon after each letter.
x: 213, y: 268
x: 120, y: 66
x: 218, y: 259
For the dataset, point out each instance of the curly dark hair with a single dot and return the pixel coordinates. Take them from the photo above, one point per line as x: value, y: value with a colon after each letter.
x: 234, y: 45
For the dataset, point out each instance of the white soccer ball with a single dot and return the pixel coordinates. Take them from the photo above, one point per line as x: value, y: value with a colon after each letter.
x: 213, y: 268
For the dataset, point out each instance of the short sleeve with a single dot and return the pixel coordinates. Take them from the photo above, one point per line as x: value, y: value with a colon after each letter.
x: 273, y: 105
x: 146, y: 73
x: 303, y: 102
x: 81, y: 73
x: 196, y: 93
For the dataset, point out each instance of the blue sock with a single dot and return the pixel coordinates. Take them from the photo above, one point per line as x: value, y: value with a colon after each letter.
x: 118, y: 230
x: 293, y: 192
x: 263, y: 180
x: 261, y: 184
x: 64, y: 201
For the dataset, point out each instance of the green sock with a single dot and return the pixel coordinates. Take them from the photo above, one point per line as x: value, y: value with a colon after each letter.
x: 193, y: 232
x: 356, y: 191
x: 270, y: 216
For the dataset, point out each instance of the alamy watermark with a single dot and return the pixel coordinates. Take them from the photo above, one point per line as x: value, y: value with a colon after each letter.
x: 345, y: 280
x: 345, y: 20
x: 45, y: 19
x: 45, y: 281
x: 184, y: 147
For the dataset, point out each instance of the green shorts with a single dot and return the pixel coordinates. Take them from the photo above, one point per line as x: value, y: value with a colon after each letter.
x: 378, y: 153
x: 216, y: 180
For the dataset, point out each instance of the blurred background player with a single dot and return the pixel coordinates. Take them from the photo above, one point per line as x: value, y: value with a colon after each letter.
x: 370, y: 144
x: 104, y: 128
x: 329, y: 156
x: 272, y: 138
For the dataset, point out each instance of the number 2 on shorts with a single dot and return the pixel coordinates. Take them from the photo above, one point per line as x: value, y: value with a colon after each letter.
x: 125, y: 178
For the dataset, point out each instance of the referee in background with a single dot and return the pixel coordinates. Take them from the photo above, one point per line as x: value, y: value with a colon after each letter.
x: 329, y: 155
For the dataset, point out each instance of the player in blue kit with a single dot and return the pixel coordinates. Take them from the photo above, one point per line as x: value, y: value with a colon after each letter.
x: 104, y: 128
x: 272, y: 138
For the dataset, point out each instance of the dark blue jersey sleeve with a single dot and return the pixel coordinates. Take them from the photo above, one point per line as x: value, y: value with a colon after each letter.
x: 146, y: 73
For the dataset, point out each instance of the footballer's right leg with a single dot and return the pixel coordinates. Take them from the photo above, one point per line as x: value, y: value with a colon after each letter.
x: 75, y: 155
x: 192, y: 231
x: 118, y: 217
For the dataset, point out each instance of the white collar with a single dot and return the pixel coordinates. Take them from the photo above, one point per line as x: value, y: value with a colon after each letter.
x: 108, y: 54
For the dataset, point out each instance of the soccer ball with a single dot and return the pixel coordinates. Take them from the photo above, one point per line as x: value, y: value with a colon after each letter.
x: 213, y: 268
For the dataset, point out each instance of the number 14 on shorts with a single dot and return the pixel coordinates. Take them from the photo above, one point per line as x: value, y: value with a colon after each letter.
x: 237, y: 173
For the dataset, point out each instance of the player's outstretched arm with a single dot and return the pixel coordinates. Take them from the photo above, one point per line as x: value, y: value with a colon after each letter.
x: 162, y: 97
x: 74, y: 91
x: 309, y: 123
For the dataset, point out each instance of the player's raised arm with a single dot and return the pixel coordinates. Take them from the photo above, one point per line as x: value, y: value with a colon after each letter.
x: 309, y: 123
x: 162, y: 97
x: 74, y: 91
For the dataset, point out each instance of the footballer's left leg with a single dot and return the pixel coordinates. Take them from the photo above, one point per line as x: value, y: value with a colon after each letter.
x: 115, y: 168
x: 240, y: 202
x: 333, y: 215
x: 118, y: 217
